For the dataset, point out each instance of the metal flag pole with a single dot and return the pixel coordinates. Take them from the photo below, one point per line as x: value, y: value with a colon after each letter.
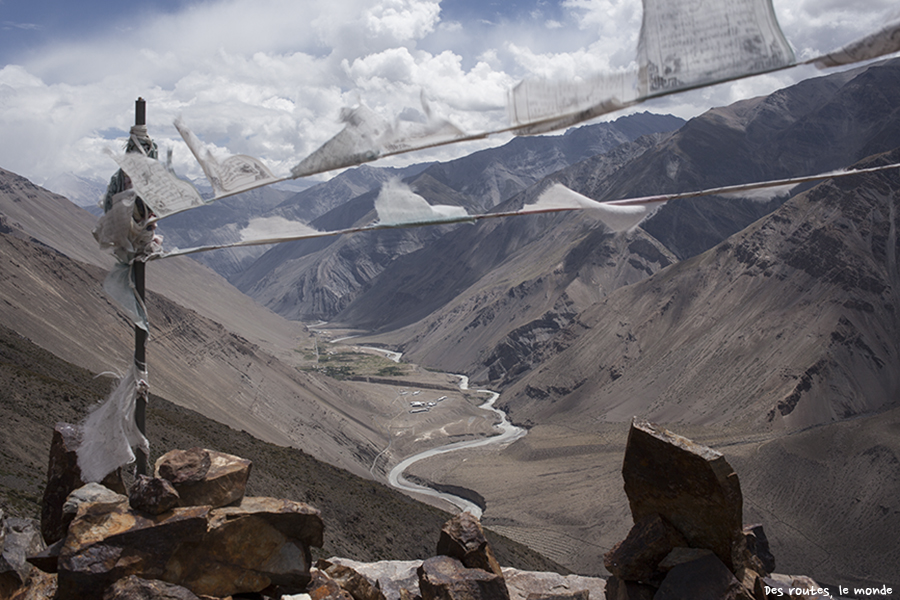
x: 140, y: 334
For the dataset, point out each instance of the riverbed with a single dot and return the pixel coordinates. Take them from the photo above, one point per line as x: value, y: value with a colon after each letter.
x: 508, y: 433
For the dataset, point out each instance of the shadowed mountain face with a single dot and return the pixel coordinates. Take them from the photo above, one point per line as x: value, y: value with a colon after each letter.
x: 317, y: 279
x: 435, y: 304
x: 787, y: 324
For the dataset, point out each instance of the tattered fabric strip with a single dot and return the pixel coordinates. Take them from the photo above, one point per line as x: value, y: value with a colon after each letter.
x: 618, y: 215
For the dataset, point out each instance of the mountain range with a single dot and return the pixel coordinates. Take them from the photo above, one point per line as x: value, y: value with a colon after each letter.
x: 764, y: 327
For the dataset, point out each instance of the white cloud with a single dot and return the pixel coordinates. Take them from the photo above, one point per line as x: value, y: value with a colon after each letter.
x: 268, y: 77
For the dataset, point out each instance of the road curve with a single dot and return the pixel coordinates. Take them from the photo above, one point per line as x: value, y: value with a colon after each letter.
x: 508, y: 433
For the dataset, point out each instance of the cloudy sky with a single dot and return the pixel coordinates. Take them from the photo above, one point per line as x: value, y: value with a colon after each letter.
x: 268, y: 77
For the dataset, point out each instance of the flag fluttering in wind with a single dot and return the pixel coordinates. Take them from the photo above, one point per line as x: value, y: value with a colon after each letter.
x: 367, y: 136
x: 683, y: 45
x: 398, y: 206
x: 232, y: 175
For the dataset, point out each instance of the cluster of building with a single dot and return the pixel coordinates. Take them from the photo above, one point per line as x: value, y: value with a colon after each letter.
x: 417, y: 406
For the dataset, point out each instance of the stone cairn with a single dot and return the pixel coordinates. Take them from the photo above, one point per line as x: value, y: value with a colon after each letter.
x: 688, y: 541
x: 190, y: 533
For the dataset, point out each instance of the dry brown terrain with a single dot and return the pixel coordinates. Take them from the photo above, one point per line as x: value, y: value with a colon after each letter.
x: 560, y: 492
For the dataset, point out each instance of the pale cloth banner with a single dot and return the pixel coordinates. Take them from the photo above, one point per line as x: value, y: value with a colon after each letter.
x: 398, y: 206
x: 368, y: 136
x: 691, y: 43
x: 683, y: 44
x: 157, y: 186
x: 231, y: 175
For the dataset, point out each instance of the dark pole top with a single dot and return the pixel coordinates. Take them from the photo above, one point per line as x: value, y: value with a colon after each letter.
x: 140, y: 112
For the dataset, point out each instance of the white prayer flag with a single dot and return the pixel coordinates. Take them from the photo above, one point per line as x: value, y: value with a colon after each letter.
x: 367, y: 136
x: 156, y: 185
x: 397, y: 204
x: 233, y: 175
x: 683, y: 44
x: 690, y: 43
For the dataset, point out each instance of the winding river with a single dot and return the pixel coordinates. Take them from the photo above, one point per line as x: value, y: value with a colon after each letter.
x: 508, y: 433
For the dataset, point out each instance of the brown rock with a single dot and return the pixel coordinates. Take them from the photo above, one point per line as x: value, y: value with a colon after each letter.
x: 220, y: 482
x: 39, y: 586
x: 323, y: 587
x: 106, y: 544
x: 702, y: 579
x: 63, y: 477
x: 153, y: 495
x: 691, y: 486
x: 351, y: 581
x: 405, y: 594
x: 578, y: 595
x: 446, y: 578
x: 462, y: 537
x: 184, y: 466
x: 616, y: 589
x: 92, y: 493
x: 262, y: 542
x: 758, y: 546
x: 636, y: 558
x: 135, y: 588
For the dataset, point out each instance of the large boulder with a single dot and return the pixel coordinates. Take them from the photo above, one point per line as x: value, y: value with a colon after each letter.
x: 462, y: 537
x: 205, y: 477
x: 691, y: 486
x: 446, y: 578
x: 106, y: 544
x: 63, y: 477
x: 246, y: 548
x: 215, y: 552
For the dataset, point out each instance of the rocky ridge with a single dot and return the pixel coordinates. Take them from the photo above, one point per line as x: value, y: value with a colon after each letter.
x: 190, y: 532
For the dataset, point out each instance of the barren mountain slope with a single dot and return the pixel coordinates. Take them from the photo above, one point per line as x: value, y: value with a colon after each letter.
x: 826, y: 496
x: 779, y: 347
x: 812, y: 127
x: 52, y: 220
x: 788, y: 324
x: 451, y: 304
x: 316, y: 279
x: 445, y: 307
x: 249, y: 383
x: 60, y: 305
x: 364, y: 520
x: 312, y: 280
